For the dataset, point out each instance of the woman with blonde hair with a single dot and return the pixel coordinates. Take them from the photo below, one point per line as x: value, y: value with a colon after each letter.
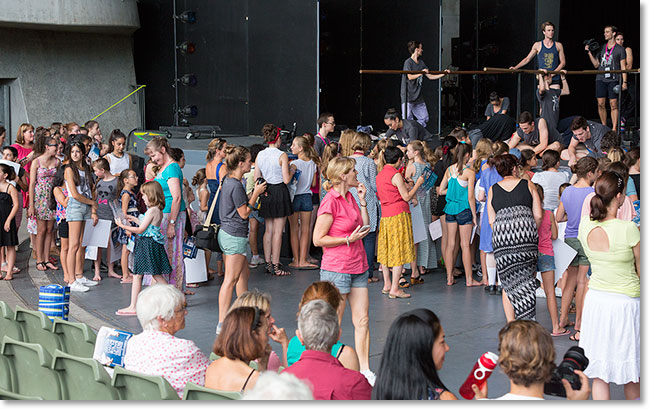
x: 345, y: 141
x: 215, y: 173
x: 326, y: 291
x: 262, y: 301
x: 340, y: 227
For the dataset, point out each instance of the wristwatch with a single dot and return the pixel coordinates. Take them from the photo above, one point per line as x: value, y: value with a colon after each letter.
x: 172, y: 221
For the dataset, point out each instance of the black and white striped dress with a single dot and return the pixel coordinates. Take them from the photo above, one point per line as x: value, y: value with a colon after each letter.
x: 514, y: 239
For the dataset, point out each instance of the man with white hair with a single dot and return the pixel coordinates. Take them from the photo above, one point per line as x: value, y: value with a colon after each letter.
x: 161, y: 313
x: 318, y: 330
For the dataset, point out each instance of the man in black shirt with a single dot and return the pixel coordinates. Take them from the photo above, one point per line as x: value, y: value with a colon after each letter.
x: 610, y: 57
x: 413, y: 105
x: 405, y: 131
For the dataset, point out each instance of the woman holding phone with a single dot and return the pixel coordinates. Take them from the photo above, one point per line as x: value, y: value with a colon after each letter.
x: 340, y: 227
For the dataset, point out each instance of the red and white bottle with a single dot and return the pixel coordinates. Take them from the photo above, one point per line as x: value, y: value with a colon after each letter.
x: 480, y: 372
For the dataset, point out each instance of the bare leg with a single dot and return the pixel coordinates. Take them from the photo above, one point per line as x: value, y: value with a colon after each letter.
x: 10, y: 252
x: 599, y: 389
x: 397, y: 272
x: 387, y: 281
x: 602, y: 110
x: 40, y: 241
x: 47, y: 244
x: 507, y: 307
x: 234, y: 267
x: 548, y: 278
x: 570, y: 281
x: 126, y: 276
x: 613, y: 105
x: 452, y: 227
x: 136, y: 287
x: 97, y: 264
x: 74, y: 245
x: 632, y: 391
x: 252, y: 236
x: 278, y: 227
x: 484, y: 268
x: 465, y: 235
x: 269, y: 223
x: 305, y: 240
x: 580, y: 293
x: 67, y: 277
x: 293, y: 238
x: 358, y: 299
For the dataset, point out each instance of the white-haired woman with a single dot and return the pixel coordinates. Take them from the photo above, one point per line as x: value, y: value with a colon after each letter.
x: 156, y: 351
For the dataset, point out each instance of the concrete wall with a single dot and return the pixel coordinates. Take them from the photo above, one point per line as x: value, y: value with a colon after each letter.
x: 68, y: 76
x: 96, y: 16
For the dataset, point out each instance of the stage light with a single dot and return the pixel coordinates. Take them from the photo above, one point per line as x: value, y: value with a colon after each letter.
x: 187, y: 47
x: 188, y: 111
x: 188, y: 80
x: 187, y: 16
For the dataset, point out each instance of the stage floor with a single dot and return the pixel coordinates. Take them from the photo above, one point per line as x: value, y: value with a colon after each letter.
x: 471, y: 317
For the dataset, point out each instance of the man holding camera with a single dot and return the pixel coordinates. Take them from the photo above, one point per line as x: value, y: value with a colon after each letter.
x: 610, y: 57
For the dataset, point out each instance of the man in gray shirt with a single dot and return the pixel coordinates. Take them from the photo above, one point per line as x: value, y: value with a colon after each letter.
x: 549, y: 98
x: 413, y: 105
x: 590, y: 134
x: 535, y: 134
x: 405, y: 131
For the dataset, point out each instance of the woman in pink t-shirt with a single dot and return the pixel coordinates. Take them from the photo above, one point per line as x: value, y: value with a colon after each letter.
x: 339, y: 230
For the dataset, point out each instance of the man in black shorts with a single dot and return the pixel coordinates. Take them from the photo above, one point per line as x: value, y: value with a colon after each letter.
x: 610, y: 57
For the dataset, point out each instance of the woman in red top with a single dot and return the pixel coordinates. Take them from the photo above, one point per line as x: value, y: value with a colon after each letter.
x: 339, y: 230
x: 395, y: 246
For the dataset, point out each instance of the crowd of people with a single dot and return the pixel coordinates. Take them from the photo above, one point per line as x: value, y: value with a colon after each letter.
x: 357, y: 201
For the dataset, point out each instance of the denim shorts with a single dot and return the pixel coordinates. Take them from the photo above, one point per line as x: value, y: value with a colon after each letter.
x: 302, y: 203
x: 77, y: 211
x: 545, y: 262
x: 345, y: 281
x: 256, y: 215
x: 463, y: 218
x: 581, y: 258
x: 232, y: 245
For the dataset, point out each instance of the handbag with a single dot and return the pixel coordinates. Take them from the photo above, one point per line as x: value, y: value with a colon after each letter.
x: 205, y: 236
x: 189, y: 248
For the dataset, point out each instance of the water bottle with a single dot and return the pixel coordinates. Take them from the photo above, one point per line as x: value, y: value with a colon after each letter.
x: 480, y: 372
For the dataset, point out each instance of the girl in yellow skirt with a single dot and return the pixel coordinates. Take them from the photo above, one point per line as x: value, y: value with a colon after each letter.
x: 395, y: 246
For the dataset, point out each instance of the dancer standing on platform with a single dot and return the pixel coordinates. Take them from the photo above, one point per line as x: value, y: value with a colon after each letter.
x: 340, y: 227
x: 515, y: 213
x: 550, y: 55
x: 413, y: 105
x: 610, y: 57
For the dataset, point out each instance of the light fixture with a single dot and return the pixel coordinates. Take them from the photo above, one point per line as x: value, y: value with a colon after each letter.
x: 186, y: 47
x: 187, y: 16
x: 188, y: 80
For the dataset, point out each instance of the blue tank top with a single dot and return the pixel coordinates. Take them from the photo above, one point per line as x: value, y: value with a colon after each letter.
x: 549, y: 59
x: 213, y: 187
x: 456, y: 198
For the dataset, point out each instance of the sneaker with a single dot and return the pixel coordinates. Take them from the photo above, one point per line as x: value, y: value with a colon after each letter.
x: 86, y: 282
x: 78, y: 287
x: 370, y: 376
x: 539, y: 293
x: 256, y: 260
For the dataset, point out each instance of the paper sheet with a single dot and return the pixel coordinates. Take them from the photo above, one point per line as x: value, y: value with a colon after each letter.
x: 435, y: 229
x: 195, y: 270
x: 97, y: 235
x: 564, y: 254
x: 91, y: 253
x: 417, y: 220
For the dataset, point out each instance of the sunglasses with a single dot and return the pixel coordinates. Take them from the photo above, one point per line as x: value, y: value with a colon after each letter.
x: 256, y: 321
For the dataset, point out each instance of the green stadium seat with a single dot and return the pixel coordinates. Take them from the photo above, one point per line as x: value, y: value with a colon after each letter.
x: 30, y: 367
x: 37, y: 328
x: 77, y: 339
x: 83, y: 378
x: 6, y: 382
x: 196, y: 392
x: 7, y: 395
x: 8, y: 326
x: 136, y: 386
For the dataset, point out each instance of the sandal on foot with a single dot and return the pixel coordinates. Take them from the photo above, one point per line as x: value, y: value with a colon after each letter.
x: 192, y: 285
x: 403, y: 283
x: 41, y: 265
x: 278, y: 271
x: 50, y: 265
x: 269, y: 268
x: 417, y: 281
x: 373, y: 280
x: 385, y: 292
x: 573, y: 337
x: 400, y: 295
x: 566, y: 332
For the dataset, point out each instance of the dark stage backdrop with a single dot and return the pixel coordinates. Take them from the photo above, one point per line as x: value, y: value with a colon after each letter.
x: 373, y: 34
x: 255, y: 62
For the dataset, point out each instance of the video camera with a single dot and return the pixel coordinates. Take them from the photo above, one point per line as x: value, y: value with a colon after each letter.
x: 592, y: 43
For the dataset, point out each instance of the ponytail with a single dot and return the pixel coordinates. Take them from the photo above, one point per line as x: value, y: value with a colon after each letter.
x: 608, y: 185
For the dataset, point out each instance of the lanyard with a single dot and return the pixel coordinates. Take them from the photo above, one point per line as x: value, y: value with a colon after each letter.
x: 323, y: 139
x: 608, y: 52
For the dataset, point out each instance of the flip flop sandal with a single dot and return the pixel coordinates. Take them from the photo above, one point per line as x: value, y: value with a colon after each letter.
x: 417, y: 281
x: 192, y: 285
x: 566, y: 332
x: 122, y: 313
x: 573, y: 336
x: 399, y: 296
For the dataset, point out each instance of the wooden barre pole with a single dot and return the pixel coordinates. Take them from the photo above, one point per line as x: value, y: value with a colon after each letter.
x: 583, y: 72
x: 492, y: 70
